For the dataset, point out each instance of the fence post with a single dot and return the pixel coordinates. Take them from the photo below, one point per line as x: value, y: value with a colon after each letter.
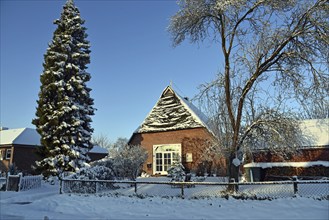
x: 7, y: 181
x: 182, y: 191
x: 295, y: 180
x: 234, y: 186
x: 20, y: 176
x: 60, y: 185
x: 135, y: 187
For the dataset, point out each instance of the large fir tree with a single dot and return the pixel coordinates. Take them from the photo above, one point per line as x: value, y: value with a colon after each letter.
x: 64, y: 105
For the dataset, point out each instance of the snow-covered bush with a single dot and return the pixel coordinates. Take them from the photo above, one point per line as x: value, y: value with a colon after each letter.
x: 176, y: 172
x: 125, y: 161
x: 93, y: 173
x: 128, y: 161
x: 105, y: 162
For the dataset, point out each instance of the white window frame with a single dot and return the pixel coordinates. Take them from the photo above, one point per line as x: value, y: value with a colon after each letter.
x: 164, y: 154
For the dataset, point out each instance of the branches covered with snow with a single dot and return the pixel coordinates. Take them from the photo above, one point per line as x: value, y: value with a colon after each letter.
x: 64, y: 105
x: 176, y: 172
x: 128, y: 161
x: 282, y: 45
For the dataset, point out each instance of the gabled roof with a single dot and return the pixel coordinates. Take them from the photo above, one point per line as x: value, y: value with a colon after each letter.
x: 98, y: 150
x: 30, y: 136
x: 21, y: 136
x: 172, y: 112
x: 317, y: 129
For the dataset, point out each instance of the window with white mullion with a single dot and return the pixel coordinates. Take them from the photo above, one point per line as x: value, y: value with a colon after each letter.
x: 164, y: 156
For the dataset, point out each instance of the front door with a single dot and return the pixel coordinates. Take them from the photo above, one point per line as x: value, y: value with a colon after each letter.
x: 164, y: 156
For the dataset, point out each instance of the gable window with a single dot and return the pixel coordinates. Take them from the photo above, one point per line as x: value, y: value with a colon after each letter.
x: 8, y: 154
x: 164, y: 156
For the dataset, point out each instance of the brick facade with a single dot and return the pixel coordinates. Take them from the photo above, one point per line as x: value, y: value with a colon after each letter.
x: 307, y: 154
x: 286, y: 172
x: 194, y: 141
x: 25, y: 156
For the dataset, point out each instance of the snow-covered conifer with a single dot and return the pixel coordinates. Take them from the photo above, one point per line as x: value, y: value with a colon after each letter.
x: 176, y: 171
x: 65, y: 107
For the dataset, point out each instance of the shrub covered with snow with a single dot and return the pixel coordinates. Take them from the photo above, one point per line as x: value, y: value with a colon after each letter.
x: 94, y: 173
x: 127, y: 161
x: 124, y: 163
x: 176, y: 172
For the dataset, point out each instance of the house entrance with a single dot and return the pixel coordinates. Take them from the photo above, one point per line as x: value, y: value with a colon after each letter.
x: 164, y: 156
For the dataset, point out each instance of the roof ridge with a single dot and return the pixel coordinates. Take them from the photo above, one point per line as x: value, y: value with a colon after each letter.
x: 23, y: 129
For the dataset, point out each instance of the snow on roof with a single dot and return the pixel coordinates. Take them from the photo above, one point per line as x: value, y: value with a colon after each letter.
x: 265, y: 165
x: 318, y: 129
x: 29, y: 136
x: 172, y: 112
x: 23, y: 136
x: 197, y: 114
x: 99, y: 150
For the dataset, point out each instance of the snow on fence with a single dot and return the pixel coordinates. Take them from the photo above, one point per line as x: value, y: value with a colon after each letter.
x: 22, y: 183
x: 30, y: 182
x: 3, y: 182
x: 255, y: 190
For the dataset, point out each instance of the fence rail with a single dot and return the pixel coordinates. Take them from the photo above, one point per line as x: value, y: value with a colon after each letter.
x: 30, y: 182
x: 279, y: 189
x: 21, y: 183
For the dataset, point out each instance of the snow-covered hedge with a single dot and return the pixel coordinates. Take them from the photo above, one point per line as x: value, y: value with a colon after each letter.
x: 125, y: 162
x: 93, y: 173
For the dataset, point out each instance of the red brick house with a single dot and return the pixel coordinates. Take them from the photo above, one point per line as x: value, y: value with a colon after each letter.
x: 175, y: 130
x: 311, y: 160
x: 18, y: 147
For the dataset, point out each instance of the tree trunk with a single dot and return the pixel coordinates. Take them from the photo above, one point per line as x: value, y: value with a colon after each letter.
x: 233, y: 173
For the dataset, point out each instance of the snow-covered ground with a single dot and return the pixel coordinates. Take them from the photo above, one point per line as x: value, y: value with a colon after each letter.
x: 208, y: 187
x: 46, y: 202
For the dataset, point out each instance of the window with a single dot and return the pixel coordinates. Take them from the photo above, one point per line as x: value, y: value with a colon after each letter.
x: 167, y: 161
x: 158, y: 162
x: 164, y: 156
x: 8, y: 154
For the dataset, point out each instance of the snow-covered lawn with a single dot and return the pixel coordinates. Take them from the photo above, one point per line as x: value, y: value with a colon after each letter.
x: 46, y: 201
x: 209, y: 187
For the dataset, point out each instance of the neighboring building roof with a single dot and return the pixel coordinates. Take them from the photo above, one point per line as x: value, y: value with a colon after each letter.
x: 29, y: 136
x: 265, y: 165
x: 318, y: 130
x: 21, y: 136
x: 172, y: 112
x: 98, y: 150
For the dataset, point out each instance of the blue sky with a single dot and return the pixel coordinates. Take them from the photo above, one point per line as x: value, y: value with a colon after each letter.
x: 132, y: 59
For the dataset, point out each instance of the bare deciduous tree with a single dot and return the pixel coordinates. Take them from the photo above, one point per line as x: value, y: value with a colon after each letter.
x: 125, y: 160
x: 102, y: 141
x: 275, y: 44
